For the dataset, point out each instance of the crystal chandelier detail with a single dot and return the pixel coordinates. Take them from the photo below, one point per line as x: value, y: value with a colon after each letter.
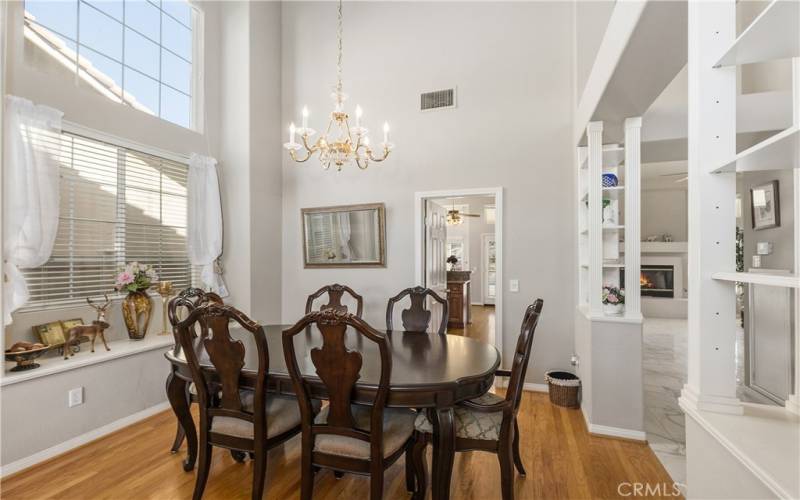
x: 341, y: 144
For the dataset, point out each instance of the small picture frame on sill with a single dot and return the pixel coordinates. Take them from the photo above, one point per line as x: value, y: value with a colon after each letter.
x: 765, y: 206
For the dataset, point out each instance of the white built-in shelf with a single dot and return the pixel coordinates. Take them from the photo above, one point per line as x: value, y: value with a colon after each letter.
x: 615, y: 227
x: 783, y: 280
x: 613, y: 156
x: 779, y: 152
x: 613, y: 265
x: 774, y: 34
x: 613, y: 189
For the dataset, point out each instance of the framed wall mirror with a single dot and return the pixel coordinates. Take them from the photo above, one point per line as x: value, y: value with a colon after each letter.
x: 344, y: 236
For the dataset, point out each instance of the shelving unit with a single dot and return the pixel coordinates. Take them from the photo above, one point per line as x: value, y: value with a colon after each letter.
x: 758, y: 279
x: 602, y: 214
x: 778, y: 152
x: 758, y: 441
x: 772, y: 35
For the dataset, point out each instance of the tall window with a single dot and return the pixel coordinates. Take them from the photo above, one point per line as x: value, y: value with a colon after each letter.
x: 117, y: 205
x: 136, y: 52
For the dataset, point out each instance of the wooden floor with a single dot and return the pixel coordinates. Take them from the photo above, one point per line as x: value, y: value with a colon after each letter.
x: 562, y: 459
x: 482, y: 326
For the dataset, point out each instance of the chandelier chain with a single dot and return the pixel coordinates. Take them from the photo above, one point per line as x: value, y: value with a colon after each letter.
x: 339, y: 60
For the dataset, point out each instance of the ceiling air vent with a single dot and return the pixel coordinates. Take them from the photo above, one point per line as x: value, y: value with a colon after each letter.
x: 438, y: 99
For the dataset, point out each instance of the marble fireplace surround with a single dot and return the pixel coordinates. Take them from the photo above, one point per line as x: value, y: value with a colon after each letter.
x: 667, y: 307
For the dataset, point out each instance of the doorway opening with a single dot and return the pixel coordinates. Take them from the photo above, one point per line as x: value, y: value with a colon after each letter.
x: 458, y: 254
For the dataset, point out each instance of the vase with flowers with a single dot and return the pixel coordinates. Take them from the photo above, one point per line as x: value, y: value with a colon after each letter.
x: 613, y: 300
x: 136, y: 278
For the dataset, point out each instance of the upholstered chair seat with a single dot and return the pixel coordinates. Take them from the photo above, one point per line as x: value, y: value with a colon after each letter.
x: 398, y: 424
x: 470, y: 424
x: 282, y: 414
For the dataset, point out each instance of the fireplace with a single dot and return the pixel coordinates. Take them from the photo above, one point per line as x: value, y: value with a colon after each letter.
x: 655, y: 280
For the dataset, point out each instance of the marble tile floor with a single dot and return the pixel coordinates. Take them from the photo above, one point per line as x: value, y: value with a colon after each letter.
x: 664, y: 365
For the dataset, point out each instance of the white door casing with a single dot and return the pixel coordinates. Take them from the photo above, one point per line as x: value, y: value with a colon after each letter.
x: 435, y: 257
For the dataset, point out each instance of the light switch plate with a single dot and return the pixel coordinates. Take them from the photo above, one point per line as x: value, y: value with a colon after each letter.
x: 513, y: 285
x: 75, y: 397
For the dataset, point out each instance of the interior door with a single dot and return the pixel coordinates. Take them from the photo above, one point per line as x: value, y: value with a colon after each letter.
x: 435, y: 258
x: 489, y: 268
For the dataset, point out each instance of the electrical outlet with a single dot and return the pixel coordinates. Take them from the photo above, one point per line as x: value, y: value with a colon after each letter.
x: 75, y: 397
x: 513, y: 285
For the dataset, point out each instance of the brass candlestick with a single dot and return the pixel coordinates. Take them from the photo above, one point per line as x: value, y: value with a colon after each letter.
x: 165, y: 290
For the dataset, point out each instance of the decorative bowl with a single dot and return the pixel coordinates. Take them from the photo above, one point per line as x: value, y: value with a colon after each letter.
x: 610, y: 180
x: 24, y: 359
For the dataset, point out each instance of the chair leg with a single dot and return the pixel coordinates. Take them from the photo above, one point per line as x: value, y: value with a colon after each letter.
x: 203, y: 466
x: 517, y: 456
x: 376, y: 484
x: 259, y: 473
x: 179, y: 437
x: 420, y: 468
x: 504, y: 454
x: 306, y: 475
x: 410, y: 473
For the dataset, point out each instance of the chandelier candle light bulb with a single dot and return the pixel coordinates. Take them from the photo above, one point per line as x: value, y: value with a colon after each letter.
x: 339, y: 144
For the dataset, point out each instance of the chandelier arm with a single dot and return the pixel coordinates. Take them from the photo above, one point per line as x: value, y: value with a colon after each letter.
x: 375, y: 159
x: 362, y: 163
x: 294, y: 157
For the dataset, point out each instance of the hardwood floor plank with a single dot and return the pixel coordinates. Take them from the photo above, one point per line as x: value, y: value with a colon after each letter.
x: 562, y: 459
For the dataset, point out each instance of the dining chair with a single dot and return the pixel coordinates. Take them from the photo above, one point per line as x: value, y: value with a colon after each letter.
x: 188, y: 299
x: 416, y: 318
x: 335, y: 293
x: 344, y: 436
x: 488, y: 423
x: 244, y: 420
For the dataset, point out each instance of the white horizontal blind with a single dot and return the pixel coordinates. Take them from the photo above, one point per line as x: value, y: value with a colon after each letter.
x: 117, y: 205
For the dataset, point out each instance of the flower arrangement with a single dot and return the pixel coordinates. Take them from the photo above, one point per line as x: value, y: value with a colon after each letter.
x: 452, y: 260
x: 613, y: 296
x: 135, y: 277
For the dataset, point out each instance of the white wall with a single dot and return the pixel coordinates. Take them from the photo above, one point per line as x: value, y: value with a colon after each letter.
x: 512, y: 65
x: 591, y: 21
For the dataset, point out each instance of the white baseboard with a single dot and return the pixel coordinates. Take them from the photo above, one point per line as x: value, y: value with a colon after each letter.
x: 615, y: 432
x: 41, y: 456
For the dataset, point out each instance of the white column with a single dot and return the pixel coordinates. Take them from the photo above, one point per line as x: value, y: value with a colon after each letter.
x: 712, y: 139
x: 594, y: 220
x: 633, y: 256
x: 793, y: 404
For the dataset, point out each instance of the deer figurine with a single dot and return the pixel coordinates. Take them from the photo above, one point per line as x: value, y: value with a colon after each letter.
x: 92, y: 331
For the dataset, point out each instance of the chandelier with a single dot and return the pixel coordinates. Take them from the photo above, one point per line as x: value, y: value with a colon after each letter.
x: 340, y: 144
x: 454, y: 219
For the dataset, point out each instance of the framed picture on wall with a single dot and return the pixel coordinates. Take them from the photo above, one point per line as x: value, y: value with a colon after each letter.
x: 765, y: 206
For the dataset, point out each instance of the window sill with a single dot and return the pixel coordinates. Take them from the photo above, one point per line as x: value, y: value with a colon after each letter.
x: 56, y: 364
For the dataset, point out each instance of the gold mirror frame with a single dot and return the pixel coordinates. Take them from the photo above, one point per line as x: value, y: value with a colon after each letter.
x: 380, y: 207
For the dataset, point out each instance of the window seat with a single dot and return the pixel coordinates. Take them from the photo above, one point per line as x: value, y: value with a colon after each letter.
x: 51, y: 365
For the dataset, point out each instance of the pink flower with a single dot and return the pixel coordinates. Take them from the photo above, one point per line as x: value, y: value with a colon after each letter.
x: 612, y: 299
x: 124, y: 278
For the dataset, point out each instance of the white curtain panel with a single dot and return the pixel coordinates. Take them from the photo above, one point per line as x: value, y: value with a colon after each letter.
x: 204, y: 243
x: 344, y: 236
x: 30, y: 195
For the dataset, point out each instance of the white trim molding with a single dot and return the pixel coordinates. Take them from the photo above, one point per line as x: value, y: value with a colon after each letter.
x: 53, y: 451
x: 613, y: 432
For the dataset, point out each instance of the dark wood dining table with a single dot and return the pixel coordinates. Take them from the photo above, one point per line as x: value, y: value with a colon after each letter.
x: 428, y: 371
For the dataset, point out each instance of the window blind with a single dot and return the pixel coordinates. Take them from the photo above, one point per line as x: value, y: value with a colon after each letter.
x: 117, y: 205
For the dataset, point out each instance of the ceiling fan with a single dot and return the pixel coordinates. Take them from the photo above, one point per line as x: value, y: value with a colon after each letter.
x: 454, y: 216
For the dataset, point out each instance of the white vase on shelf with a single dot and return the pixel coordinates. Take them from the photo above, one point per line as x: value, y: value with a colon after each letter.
x: 614, y: 309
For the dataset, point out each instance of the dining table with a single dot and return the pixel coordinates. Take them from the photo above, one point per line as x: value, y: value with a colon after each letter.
x: 430, y: 372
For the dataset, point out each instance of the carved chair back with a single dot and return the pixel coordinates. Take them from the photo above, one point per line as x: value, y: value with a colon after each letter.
x: 227, y: 355
x: 417, y: 318
x: 335, y: 293
x: 190, y: 299
x: 522, y: 353
x: 339, y: 368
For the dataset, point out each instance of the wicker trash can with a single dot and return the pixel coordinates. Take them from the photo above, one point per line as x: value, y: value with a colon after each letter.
x: 563, y: 388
